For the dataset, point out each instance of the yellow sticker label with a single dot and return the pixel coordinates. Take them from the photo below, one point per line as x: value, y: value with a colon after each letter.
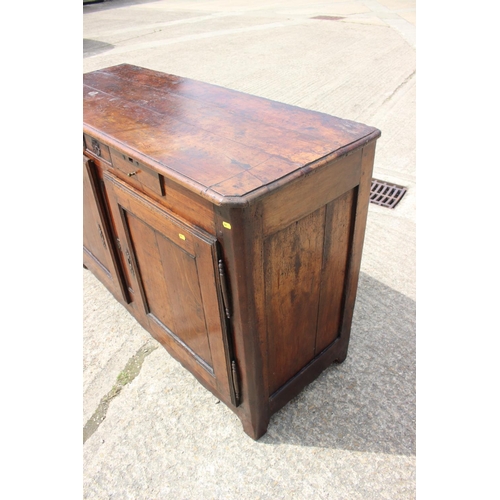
x: 226, y: 225
x: 181, y: 236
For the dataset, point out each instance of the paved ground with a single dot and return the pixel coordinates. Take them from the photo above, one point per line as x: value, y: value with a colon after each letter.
x: 351, y: 433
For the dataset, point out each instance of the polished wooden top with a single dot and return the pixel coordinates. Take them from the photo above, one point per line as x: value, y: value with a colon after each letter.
x: 219, y: 143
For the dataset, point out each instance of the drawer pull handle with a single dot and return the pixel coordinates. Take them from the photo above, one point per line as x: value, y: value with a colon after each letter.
x: 130, y: 174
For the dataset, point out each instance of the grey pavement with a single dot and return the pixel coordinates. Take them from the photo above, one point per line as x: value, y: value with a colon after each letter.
x: 351, y: 433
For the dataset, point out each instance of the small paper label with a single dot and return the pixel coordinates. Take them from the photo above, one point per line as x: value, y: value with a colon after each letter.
x: 181, y: 236
x: 226, y: 225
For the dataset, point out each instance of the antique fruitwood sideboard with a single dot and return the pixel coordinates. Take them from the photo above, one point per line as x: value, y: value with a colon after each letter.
x: 230, y: 226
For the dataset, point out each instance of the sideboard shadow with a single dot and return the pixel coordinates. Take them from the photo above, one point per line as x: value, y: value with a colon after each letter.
x: 368, y: 403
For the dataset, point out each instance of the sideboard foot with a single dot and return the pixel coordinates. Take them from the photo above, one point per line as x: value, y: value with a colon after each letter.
x: 340, y: 358
x: 255, y: 431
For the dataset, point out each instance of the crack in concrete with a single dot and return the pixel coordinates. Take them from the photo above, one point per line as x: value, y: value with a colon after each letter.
x: 131, y: 370
x: 399, y: 87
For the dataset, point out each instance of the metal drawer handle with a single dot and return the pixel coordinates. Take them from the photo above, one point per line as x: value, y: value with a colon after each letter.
x: 130, y: 174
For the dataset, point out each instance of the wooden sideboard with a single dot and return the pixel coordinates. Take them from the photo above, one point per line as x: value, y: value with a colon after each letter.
x: 230, y: 226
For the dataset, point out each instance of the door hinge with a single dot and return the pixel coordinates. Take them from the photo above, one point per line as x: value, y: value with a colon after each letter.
x: 129, y: 261
x: 223, y: 284
x: 101, y: 234
x: 118, y: 244
x: 236, y: 381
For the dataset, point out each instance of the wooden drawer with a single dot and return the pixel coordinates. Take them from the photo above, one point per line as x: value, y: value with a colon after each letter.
x: 97, y: 148
x: 139, y: 176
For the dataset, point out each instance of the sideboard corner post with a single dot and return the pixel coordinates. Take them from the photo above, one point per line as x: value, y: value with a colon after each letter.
x: 239, y: 235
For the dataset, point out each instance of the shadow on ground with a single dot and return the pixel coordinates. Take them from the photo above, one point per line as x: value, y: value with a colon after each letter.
x: 98, y: 5
x: 94, y: 47
x: 367, y: 403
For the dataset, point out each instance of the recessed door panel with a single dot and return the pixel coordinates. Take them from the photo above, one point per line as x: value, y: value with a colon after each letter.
x: 172, y: 293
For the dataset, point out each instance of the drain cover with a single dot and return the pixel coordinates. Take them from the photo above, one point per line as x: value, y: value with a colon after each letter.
x: 386, y: 195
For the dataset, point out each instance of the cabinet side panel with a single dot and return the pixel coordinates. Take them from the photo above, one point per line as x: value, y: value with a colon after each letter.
x: 310, y: 192
x: 362, y: 202
x: 293, y: 259
x: 338, y: 230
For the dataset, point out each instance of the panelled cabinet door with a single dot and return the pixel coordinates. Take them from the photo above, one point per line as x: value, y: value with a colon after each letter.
x: 174, y: 269
x: 98, y: 253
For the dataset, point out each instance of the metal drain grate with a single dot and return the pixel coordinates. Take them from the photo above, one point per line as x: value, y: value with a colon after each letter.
x: 386, y: 195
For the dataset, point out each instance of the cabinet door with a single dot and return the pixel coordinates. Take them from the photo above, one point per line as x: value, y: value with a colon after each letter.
x: 174, y: 267
x: 98, y: 250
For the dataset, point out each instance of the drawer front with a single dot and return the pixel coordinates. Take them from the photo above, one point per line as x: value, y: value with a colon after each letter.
x: 97, y: 148
x: 138, y: 174
x: 171, y: 195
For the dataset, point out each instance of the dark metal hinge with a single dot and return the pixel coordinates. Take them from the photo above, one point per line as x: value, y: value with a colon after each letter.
x: 129, y: 261
x: 223, y: 284
x: 101, y: 234
x: 236, y: 381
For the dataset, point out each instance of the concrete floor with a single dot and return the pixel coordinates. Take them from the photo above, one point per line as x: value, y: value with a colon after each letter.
x: 351, y: 433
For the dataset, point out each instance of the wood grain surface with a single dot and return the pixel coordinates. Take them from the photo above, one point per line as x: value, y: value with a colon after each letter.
x: 219, y: 142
